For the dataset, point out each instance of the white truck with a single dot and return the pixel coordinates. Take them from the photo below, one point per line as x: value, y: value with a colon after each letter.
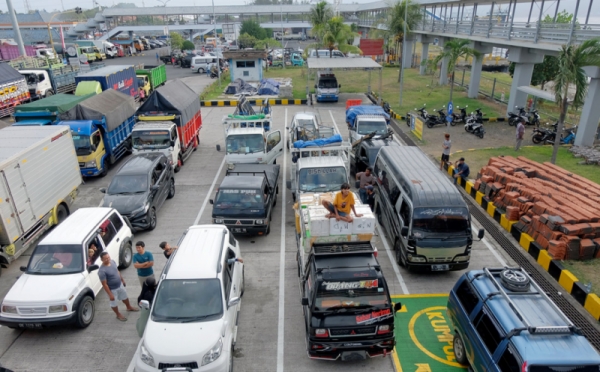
x: 247, y: 141
x: 366, y: 119
x: 39, y: 180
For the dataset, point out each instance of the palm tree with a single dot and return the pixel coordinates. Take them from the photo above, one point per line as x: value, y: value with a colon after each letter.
x: 571, y: 60
x: 396, y: 21
x: 337, y: 35
x: 319, y: 15
x: 453, y: 50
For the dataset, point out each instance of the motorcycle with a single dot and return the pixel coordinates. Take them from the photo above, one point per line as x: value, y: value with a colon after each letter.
x: 547, y: 137
x: 533, y: 119
x: 479, y: 116
x: 439, y: 119
x: 423, y: 112
x: 513, y: 118
x: 474, y: 126
x: 462, y: 117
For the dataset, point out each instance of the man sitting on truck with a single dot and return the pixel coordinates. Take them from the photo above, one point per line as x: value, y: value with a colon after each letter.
x: 342, y: 203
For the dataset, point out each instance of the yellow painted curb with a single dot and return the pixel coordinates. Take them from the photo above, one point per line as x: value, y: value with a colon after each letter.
x: 592, y: 304
x: 525, y: 241
x: 566, y: 280
x: 479, y: 197
x: 544, y: 259
x: 491, y: 208
x: 468, y: 186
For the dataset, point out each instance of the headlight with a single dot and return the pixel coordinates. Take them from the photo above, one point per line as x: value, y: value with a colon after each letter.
x: 462, y: 258
x: 9, y: 309
x: 214, y: 353
x: 259, y: 222
x: 218, y: 220
x: 146, y: 356
x: 57, y: 309
x: 90, y: 164
x: 141, y: 210
x: 412, y: 258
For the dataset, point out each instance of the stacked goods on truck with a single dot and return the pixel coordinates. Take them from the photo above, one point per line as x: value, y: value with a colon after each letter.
x: 49, y: 110
x: 86, y: 87
x: 366, y: 119
x: 169, y: 121
x: 10, y: 52
x: 118, y: 77
x: 49, y: 81
x: 101, y: 131
x: 151, y: 77
x: 40, y: 183
x: 13, y: 89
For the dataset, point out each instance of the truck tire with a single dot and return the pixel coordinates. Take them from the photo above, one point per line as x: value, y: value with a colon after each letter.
x: 104, y: 168
x: 61, y: 213
x: 125, y: 256
x: 171, y: 189
x: 85, y: 312
x: 48, y: 93
x: 196, y: 143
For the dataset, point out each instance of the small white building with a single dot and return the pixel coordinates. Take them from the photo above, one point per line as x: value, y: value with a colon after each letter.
x: 246, y: 64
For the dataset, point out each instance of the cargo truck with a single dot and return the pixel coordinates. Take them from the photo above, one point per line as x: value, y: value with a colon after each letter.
x: 39, y: 183
x: 48, y: 111
x: 13, y: 89
x: 101, y: 131
x: 151, y: 77
x: 49, y: 81
x: 119, y: 77
x: 86, y: 54
x: 10, y: 52
x: 102, y: 49
x: 366, y: 119
x: 169, y: 121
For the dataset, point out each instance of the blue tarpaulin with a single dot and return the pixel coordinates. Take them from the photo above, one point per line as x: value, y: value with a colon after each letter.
x: 268, y: 87
x: 318, y: 142
x: 354, y: 111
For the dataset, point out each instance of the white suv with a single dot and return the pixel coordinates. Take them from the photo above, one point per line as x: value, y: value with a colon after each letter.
x: 193, y: 319
x: 61, y: 281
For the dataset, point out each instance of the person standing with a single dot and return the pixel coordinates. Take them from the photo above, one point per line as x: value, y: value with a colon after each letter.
x: 461, y: 169
x: 157, y: 58
x: 365, y: 179
x: 341, y: 206
x: 370, y: 197
x: 167, y: 249
x: 143, y: 262
x: 446, y: 145
x: 520, y: 133
x: 114, y: 285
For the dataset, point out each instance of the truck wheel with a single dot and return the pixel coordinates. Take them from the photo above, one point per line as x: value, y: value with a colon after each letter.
x: 196, y: 143
x: 171, y: 189
x: 85, y: 312
x: 48, y: 94
x: 152, y: 219
x: 104, y: 169
x: 61, y: 214
x: 399, y: 257
x: 125, y: 256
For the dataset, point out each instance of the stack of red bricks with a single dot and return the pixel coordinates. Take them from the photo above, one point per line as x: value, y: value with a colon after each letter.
x: 558, y: 209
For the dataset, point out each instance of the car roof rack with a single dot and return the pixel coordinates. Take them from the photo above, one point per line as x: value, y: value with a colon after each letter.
x: 533, y: 329
x: 329, y: 249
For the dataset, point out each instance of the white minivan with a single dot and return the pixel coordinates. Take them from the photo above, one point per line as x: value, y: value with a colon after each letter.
x: 202, y: 63
x: 194, y: 315
x: 60, y: 282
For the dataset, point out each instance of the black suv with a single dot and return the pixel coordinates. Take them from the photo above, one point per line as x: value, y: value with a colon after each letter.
x: 140, y: 188
x: 363, y: 154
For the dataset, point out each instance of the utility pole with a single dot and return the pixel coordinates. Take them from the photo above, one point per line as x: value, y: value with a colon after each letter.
x: 15, y: 25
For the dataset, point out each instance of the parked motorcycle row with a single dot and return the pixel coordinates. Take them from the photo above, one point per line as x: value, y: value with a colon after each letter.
x: 546, y: 136
x: 473, y: 122
x: 531, y: 118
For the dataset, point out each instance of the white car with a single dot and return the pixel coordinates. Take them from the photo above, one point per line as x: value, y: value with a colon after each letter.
x: 61, y: 281
x: 193, y: 318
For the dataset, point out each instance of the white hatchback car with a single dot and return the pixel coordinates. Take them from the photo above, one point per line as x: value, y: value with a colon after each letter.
x: 193, y: 318
x: 61, y: 281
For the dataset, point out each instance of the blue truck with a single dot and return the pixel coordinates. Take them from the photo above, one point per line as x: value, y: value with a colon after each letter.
x: 119, y: 77
x: 101, y: 131
x: 48, y: 111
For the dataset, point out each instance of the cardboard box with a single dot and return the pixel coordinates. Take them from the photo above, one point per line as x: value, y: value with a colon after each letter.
x: 318, y: 226
x: 339, y: 227
x: 364, y: 224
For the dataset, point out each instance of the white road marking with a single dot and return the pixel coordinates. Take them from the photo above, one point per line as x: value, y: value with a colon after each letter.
x: 281, y: 318
x: 334, y: 123
x: 392, y: 260
x: 210, y: 191
x: 499, y: 257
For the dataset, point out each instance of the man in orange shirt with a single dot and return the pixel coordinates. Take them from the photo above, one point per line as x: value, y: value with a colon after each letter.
x: 342, y: 203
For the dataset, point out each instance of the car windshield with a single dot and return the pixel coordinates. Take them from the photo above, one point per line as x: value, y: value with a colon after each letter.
x: 322, y: 179
x: 349, y: 294
x: 245, y: 143
x: 56, y: 260
x: 236, y: 198
x: 441, y: 220
x: 151, y: 139
x: 305, y: 123
x: 140, y: 82
x: 128, y: 184
x: 328, y: 83
x: 82, y: 144
x: 366, y: 127
x: 188, y: 300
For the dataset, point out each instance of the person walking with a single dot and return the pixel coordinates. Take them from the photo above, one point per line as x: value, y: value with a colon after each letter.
x: 143, y: 262
x: 520, y: 133
x: 461, y: 169
x: 157, y: 58
x: 365, y: 179
x: 446, y: 145
x: 341, y: 206
x: 167, y: 249
x: 114, y: 285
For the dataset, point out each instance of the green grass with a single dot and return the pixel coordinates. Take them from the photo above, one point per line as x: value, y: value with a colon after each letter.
x: 212, y: 92
x: 586, y: 272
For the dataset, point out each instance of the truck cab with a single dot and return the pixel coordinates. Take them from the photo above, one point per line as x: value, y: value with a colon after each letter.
x: 45, y: 53
x: 100, y: 55
x: 346, y: 302
x: 110, y: 49
x: 367, y: 119
x: 327, y: 88
x: 143, y: 83
x: 252, y: 145
x: 88, y: 52
x: 89, y: 146
x: 38, y: 83
x: 161, y: 136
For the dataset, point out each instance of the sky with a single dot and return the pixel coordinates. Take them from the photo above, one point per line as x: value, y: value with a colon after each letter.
x: 522, y: 9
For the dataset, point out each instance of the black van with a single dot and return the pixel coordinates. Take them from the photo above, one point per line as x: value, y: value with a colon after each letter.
x: 423, y: 213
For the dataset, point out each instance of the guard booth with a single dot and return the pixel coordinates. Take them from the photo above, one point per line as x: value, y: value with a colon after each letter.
x: 246, y: 64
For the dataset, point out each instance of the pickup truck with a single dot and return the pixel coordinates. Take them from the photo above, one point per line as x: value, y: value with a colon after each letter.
x: 246, y: 198
x: 49, y: 81
x: 366, y: 119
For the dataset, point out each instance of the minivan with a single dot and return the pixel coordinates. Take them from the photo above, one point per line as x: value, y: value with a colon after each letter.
x: 423, y: 213
x: 324, y: 53
x: 504, y: 322
x: 202, y: 63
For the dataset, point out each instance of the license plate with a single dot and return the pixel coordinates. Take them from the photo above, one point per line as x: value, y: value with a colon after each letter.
x: 239, y: 230
x: 354, y: 355
x: 31, y: 325
x: 440, y: 267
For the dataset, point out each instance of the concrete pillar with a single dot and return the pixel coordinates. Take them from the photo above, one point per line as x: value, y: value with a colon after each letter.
x: 476, y: 68
x: 425, y: 40
x: 407, y: 52
x: 444, y: 67
x: 590, y: 114
x: 524, y: 61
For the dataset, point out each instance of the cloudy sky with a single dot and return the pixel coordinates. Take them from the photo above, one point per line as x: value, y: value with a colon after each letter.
x: 522, y: 9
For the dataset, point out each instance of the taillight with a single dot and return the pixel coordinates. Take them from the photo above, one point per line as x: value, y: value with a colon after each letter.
x: 524, y: 367
x: 321, y: 332
x: 375, y: 252
x: 383, y: 329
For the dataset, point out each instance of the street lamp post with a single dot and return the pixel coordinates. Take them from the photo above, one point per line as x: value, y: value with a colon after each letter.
x: 164, y: 3
x: 282, y: 34
x: 216, y: 51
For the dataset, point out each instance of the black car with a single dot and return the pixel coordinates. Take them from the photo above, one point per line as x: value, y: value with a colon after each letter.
x: 140, y: 188
x: 363, y: 154
x: 246, y: 197
x: 185, y: 61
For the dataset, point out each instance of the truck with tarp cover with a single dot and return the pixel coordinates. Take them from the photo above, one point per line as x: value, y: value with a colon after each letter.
x: 49, y: 110
x: 13, y: 89
x: 366, y: 119
x: 101, y: 131
x: 169, y: 121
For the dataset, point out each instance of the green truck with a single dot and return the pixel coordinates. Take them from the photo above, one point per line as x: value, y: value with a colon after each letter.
x: 48, y: 111
x: 151, y: 77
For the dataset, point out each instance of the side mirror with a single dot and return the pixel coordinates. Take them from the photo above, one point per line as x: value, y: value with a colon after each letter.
x: 481, y: 233
x: 211, y: 201
x: 315, y: 86
x: 23, y: 268
x: 172, y: 143
x: 155, y: 188
x: 339, y: 86
x: 304, y: 301
x: 404, y: 231
x: 234, y: 301
x: 288, y: 184
x: 92, y: 268
x: 397, y: 306
x: 103, y: 190
x: 144, y: 304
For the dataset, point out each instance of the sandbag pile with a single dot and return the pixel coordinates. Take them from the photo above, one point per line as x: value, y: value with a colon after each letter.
x: 558, y: 209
